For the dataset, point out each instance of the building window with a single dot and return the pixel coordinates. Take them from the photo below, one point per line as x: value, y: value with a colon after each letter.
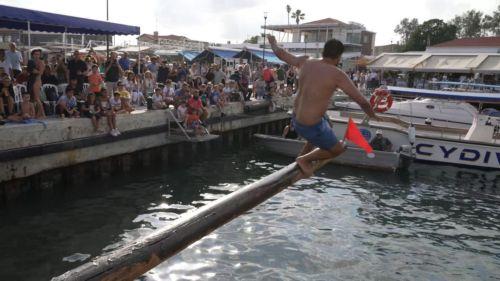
x: 365, y: 39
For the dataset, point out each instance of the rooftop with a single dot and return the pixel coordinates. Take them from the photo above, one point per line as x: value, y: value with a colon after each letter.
x: 471, y: 42
x: 322, y: 23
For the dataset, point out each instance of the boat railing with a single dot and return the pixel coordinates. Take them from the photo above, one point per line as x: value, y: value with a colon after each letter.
x: 403, y: 125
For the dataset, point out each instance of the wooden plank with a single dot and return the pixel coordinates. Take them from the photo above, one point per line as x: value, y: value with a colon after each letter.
x: 131, y: 261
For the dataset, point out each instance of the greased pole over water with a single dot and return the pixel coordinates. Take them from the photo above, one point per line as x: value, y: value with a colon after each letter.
x: 133, y: 260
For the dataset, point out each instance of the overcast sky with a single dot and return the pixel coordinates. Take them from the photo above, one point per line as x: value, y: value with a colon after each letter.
x: 235, y: 20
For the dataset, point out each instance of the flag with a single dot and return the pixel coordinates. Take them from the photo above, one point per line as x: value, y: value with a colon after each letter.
x: 353, y: 134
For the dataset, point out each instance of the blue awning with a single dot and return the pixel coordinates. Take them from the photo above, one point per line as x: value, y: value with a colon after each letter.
x: 189, y: 55
x: 18, y: 18
x: 225, y: 54
x: 268, y: 56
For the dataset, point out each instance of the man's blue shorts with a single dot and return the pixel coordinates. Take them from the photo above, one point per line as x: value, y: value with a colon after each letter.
x: 319, y: 135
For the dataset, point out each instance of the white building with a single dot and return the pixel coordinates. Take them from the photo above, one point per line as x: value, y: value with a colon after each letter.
x: 309, y: 38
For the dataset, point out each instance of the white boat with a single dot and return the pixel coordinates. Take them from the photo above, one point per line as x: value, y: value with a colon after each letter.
x: 389, y: 161
x: 477, y: 146
x: 454, y: 114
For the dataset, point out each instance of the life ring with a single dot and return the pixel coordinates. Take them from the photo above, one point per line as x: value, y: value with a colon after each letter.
x: 381, y: 100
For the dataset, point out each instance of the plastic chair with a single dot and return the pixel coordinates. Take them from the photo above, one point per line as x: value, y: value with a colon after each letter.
x: 19, y: 89
x: 62, y: 88
x: 44, y: 98
x: 86, y: 87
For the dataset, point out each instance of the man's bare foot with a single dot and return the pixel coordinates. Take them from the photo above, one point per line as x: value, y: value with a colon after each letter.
x: 305, y: 166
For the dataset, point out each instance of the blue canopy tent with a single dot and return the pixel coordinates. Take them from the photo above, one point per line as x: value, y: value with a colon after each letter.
x: 25, y: 19
x: 189, y: 55
x: 255, y: 54
x: 210, y: 53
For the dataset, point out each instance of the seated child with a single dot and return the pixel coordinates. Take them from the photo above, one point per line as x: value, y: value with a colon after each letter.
x: 67, y: 105
x: 27, y: 110
x: 193, y: 122
x: 91, y: 109
x: 116, y: 103
x: 107, y: 110
x: 158, y: 100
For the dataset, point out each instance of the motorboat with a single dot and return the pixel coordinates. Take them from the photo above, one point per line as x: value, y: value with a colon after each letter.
x: 443, y: 112
x: 477, y: 146
x: 383, y: 160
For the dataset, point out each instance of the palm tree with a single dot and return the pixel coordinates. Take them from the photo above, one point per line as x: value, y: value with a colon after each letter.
x: 288, y: 10
x: 298, y: 15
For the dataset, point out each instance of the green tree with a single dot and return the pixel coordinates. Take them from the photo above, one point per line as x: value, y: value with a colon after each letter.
x: 405, y: 28
x: 254, y: 39
x: 429, y: 33
x: 491, y: 23
x: 298, y: 16
x: 469, y: 24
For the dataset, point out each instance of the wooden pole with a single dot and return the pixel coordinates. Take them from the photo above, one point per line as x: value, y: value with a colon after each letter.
x: 132, y: 261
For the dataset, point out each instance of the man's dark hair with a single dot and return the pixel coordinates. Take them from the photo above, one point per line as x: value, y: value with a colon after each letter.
x: 36, y: 50
x: 333, y: 49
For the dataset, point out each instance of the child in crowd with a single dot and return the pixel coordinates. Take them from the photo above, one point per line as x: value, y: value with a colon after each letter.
x: 116, y: 103
x: 158, y: 100
x: 27, y: 110
x: 95, y: 80
x: 192, y: 121
x: 181, y: 110
x: 67, y: 104
x: 6, y: 97
x: 169, y: 92
x: 125, y: 97
x: 107, y: 110
x: 91, y: 109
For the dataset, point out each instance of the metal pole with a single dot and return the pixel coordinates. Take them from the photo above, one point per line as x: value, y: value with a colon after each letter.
x: 29, y: 40
x: 264, y: 47
x: 107, y: 35
x: 131, y: 261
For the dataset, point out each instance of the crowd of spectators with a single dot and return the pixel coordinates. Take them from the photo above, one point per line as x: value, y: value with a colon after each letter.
x: 88, y: 85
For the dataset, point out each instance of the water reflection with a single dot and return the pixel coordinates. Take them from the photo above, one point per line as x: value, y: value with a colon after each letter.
x: 431, y: 223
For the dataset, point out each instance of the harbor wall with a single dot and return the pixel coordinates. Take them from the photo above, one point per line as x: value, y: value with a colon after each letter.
x: 38, y: 156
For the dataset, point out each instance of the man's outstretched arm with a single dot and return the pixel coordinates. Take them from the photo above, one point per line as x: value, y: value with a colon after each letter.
x: 284, y: 55
x: 350, y: 89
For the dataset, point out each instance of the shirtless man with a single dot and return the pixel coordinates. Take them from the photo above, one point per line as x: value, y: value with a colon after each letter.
x: 318, y: 80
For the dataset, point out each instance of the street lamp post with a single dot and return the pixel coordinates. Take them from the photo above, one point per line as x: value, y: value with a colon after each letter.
x: 107, y: 35
x: 264, y: 48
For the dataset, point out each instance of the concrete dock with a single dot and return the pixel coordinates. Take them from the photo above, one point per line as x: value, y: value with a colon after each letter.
x: 42, y: 155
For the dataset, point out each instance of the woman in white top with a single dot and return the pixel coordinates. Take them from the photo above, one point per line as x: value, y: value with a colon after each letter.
x: 158, y: 100
x: 149, y: 83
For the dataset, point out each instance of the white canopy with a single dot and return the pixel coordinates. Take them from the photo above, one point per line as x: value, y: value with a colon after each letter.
x: 438, y: 62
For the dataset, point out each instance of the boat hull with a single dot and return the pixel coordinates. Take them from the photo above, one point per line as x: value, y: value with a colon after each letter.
x: 389, y: 161
x: 434, y: 149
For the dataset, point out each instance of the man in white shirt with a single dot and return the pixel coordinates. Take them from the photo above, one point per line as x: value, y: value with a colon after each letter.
x: 219, y: 75
x: 5, y: 66
x: 15, y: 58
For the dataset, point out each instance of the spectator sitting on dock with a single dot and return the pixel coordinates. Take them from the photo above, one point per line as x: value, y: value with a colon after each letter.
x: 107, y: 110
x: 95, y: 80
x: 6, y: 97
x: 67, y: 104
x: 380, y: 142
x: 91, y: 109
x: 116, y: 103
x: 169, y: 92
x: 158, y: 100
x: 125, y: 97
x: 193, y: 122
x: 27, y: 110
